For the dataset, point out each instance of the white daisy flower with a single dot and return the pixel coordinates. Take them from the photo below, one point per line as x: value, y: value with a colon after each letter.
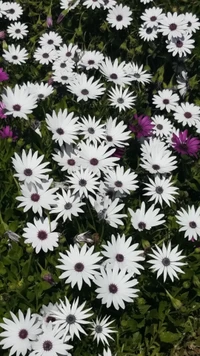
x: 63, y: 76
x: 61, y: 64
x: 67, y: 205
x: 96, y: 158
x: 15, y: 55
x: 152, y: 16
x: 19, y: 332
x: 45, y: 55
x: 108, y: 210
x: 85, y: 88
x: 17, y: 30
x: 63, y: 125
x: 37, y: 197
x: 101, y: 330
x: 41, y: 90
x: 69, y: 318
x: 166, y: 99
x: 18, y: 102
x: 119, y: 16
x: 67, y: 51
x: 193, y: 23
x: 83, y: 182
x: 67, y: 159
x: 173, y: 25
x: 122, y: 253
x: 120, y: 180
x: 51, y: 39
x: 109, y: 4
x: 41, y: 235
x: 29, y: 168
x: 115, y: 72
x: 91, y: 59
x: 115, y: 287
x: 189, y: 222
x: 121, y: 99
x: 166, y: 261
x: 92, y: 130
x: 50, y: 342
x: 187, y: 114
x: 180, y: 45
x: 79, y: 265
x: 69, y: 4
x: 145, y: 220
x: 161, y: 189
x: 94, y: 4
x: 116, y: 134
x: 148, y: 33
x: 138, y: 74
x: 13, y: 11
x: 163, y: 126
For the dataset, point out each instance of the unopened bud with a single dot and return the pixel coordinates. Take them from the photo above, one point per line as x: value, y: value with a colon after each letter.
x: 2, y: 35
x: 49, y: 21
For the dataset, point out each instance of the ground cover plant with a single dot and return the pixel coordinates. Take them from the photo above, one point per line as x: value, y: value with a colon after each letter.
x: 99, y: 177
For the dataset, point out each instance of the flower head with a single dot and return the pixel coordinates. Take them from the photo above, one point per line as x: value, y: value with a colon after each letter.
x: 185, y: 144
x: 3, y: 75
x: 143, y: 126
x: 6, y: 132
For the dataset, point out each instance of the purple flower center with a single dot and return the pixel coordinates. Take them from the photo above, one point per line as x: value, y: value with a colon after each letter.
x: 42, y: 235
x: 70, y: 319
x: 179, y: 44
x: 142, y: 225
x: 166, y: 101
x: 113, y: 288
x: 119, y: 257
x: 14, y: 57
x: 18, y: 30
x: 119, y: 18
x: 50, y: 42
x: 188, y: 115
x: 90, y: 62
x: 16, y: 107
x: 71, y: 162
x: 91, y: 130
x: 28, y: 172
x: 45, y: 55
x: 118, y: 184
x: 60, y: 131
x: 166, y: 261
x: 113, y: 76
x: 153, y: 18
x: 192, y: 224
x: 35, y: 197
x: 79, y: 267
x: 156, y: 167
x: 84, y: 92
x: 82, y: 182
x: 64, y: 77
x: 172, y: 27
x: 68, y: 54
x: 149, y: 30
x: 50, y: 318
x: 109, y: 138
x: 47, y: 345
x: 63, y: 65
x: 23, y: 334
x: 94, y: 161
x: 120, y: 100
x: 159, y: 127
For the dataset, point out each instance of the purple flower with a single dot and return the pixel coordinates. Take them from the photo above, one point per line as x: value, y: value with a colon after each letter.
x: 3, y: 75
x: 49, y: 21
x: 6, y: 132
x: 2, y: 110
x: 120, y: 151
x: 185, y: 145
x: 2, y: 35
x: 142, y: 127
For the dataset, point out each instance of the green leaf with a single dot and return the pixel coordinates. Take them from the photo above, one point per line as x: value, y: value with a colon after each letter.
x: 169, y: 337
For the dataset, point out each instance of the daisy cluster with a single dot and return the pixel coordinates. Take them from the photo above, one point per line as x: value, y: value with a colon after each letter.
x: 88, y: 181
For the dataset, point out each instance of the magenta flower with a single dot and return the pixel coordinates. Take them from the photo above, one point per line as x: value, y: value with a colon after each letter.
x: 49, y: 21
x: 6, y: 132
x: 142, y: 127
x: 2, y: 110
x: 3, y: 75
x: 120, y: 151
x: 186, y: 145
x: 2, y: 35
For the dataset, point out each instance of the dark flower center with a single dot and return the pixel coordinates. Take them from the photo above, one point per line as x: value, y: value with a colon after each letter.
x: 159, y: 127
x: 70, y: 319
x: 188, y: 115
x: 23, y: 334
x: 153, y: 18
x: 98, y: 329
x: 42, y: 235
x: 68, y: 54
x: 64, y: 77
x: 90, y: 62
x: 113, y: 76
x: 17, y: 30
x: 28, y: 172
x: 45, y: 55
x: 120, y: 100
x: 68, y: 206
x: 50, y: 318
x: 79, y: 267
x: 35, y: 197
x: 156, y: 167
x: 14, y: 57
x: 82, y: 182
x: 109, y: 138
x: 183, y: 146
x: 40, y: 96
x: 71, y: 162
x: 118, y: 184
x: 91, y: 130
x: 149, y: 30
x: 166, y: 261
x: 94, y: 161
x: 119, y: 18
x: 172, y: 27
x: 137, y: 75
x: 47, y: 345
x: 166, y: 101
x: 113, y: 288
x: 141, y: 225
x: 179, y: 44
x: 84, y: 92
x: 50, y: 42
x: 10, y: 11
x: 60, y: 131
x: 189, y: 24
x: 159, y: 190
x: 192, y: 224
x: 119, y: 257
x: 17, y: 107
x: 63, y: 65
